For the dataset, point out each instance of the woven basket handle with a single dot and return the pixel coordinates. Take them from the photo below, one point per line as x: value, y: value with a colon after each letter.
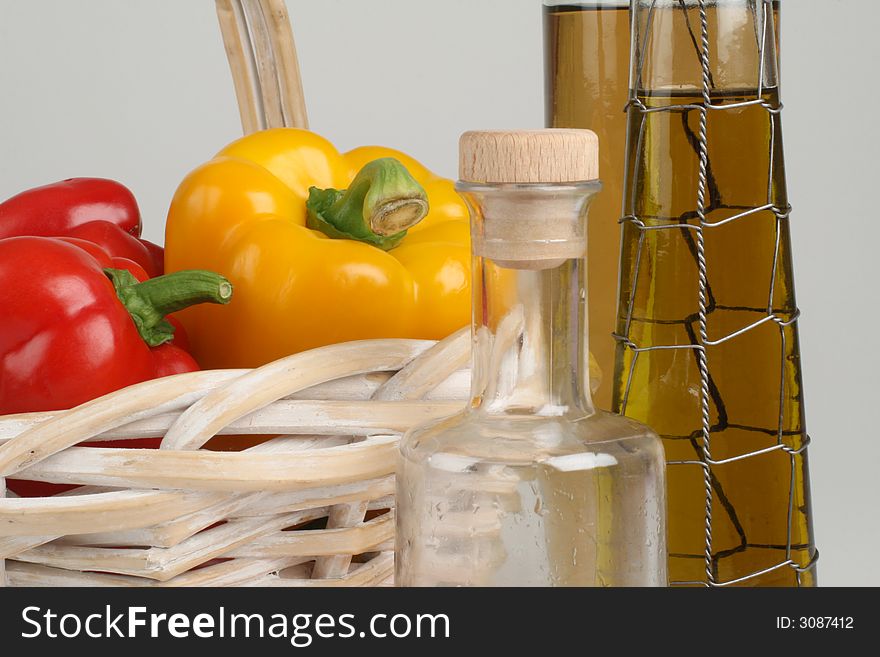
x: 265, y: 70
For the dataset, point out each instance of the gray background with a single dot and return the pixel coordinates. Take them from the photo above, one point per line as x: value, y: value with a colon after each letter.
x: 139, y: 90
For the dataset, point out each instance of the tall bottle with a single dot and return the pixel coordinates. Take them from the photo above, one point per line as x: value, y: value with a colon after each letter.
x: 530, y: 485
x: 586, y: 74
x: 708, y: 349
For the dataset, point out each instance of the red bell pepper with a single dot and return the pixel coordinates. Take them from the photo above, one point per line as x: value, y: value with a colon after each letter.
x: 95, y: 209
x: 74, y: 329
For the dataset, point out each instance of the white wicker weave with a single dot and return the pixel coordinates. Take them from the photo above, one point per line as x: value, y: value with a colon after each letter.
x: 186, y: 516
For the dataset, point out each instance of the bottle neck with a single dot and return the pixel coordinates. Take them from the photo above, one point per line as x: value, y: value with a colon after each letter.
x: 667, y: 58
x: 531, y: 354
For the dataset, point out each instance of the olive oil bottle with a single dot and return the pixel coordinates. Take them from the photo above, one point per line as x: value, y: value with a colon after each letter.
x: 586, y: 64
x: 734, y: 236
x: 587, y: 86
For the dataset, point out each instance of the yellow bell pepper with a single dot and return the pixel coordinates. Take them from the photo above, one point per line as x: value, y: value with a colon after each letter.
x: 311, y: 265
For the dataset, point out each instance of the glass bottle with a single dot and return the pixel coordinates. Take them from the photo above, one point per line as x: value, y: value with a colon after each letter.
x: 586, y: 75
x: 708, y: 349
x: 530, y: 485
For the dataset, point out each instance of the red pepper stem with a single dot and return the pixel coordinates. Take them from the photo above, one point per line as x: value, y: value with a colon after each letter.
x: 150, y: 302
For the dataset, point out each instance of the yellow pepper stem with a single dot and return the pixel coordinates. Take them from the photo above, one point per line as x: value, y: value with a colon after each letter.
x: 382, y: 202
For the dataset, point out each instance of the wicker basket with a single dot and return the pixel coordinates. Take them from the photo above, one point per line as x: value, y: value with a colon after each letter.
x: 185, y: 516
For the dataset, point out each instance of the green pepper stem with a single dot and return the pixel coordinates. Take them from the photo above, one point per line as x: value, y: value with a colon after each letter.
x: 382, y: 202
x: 150, y: 302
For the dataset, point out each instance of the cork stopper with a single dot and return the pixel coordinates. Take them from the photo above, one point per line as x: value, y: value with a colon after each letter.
x: 528, y: 192
x: 528, y: 156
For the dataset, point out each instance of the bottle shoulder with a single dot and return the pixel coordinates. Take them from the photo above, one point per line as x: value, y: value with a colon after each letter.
x: 510, y: 438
